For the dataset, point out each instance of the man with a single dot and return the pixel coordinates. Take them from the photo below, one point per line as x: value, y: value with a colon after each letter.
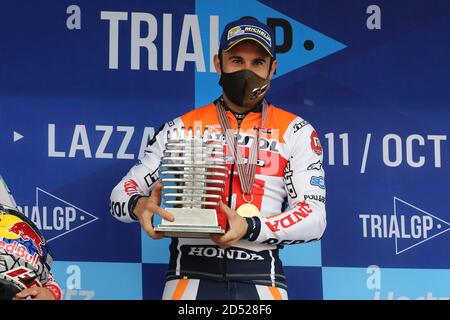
x: 243, y: 263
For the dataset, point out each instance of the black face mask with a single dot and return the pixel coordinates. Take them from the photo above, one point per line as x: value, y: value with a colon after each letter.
x: 244, y: 88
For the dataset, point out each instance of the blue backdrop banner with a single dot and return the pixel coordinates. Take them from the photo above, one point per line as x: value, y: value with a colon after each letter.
x: 85, y: 84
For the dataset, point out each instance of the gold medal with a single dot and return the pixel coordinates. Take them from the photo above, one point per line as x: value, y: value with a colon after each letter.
x: 248, y: 210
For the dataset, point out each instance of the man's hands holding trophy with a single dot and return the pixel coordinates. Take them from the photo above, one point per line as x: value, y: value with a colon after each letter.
x: 147, y: 207
x: 237, y: 228
x: 193, y: 175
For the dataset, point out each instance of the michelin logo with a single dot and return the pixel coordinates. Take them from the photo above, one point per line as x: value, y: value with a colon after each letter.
x: 236, y: 31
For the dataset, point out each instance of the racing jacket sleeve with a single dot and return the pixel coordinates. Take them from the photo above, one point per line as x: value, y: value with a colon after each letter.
x: 141, y: 178
x: 54, y: 288
x: 304, y: 178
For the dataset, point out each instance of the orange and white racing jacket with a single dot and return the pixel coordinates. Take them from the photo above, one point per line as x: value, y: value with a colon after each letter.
x: 289, y: 191
x: 54, y: 288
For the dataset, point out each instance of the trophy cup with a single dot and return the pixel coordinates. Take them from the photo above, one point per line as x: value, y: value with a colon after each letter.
x: 193, y: 172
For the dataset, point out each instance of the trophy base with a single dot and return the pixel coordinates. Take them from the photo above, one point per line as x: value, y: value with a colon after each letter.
x: 191, y: 223
x: 188, y: 232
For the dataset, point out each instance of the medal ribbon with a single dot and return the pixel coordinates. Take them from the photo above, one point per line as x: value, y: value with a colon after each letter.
x: 247, y: 170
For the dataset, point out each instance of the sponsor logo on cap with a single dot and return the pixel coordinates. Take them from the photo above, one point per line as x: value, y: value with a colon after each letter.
x: 234, y: 32
x: 248, y: 29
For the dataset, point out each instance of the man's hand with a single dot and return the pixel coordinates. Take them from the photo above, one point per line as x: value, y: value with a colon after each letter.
x: 237, y: 228
x: 35, y: 293
x: 148, y: 206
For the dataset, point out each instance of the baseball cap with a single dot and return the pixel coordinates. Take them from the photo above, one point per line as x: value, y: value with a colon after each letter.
x: 248, y: 28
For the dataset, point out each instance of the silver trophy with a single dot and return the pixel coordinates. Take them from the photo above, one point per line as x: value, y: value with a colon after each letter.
x: 193, y: 173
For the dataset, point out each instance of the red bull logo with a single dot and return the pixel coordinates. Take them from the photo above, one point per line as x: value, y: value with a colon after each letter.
x: 20, y: 251
x: 26, y: 232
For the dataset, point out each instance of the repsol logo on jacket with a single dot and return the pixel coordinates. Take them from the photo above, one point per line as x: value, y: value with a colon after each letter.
x: 213, y: 252
x: 246, y: 141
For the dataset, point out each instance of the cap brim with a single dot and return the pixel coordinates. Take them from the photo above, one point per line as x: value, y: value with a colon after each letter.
x: 249, y: 38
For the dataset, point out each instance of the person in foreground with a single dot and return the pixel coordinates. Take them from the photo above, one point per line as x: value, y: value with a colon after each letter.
x: 274, y: 199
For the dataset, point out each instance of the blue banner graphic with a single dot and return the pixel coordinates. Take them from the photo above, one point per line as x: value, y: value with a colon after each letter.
x: 84, y: 85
